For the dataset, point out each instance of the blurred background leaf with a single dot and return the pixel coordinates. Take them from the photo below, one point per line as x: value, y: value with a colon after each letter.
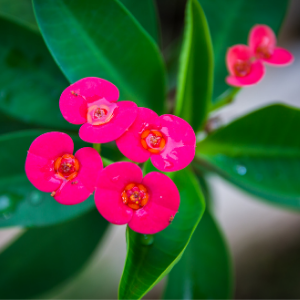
x: 204, y: 270
x: 195, y: 77
x: 102, y: 39
x: 21, y: 204
x: 259, y: 152
x: 230, y: 22
x: 44, y: 257
x: 146, y: 14
x: 20, y: 11
x: 30, y: 81
x: 149, y: 259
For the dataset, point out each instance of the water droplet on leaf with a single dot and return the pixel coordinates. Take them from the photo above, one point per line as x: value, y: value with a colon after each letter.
x: 35, y: 198
x: 241, y: 170
x: 147, y: 239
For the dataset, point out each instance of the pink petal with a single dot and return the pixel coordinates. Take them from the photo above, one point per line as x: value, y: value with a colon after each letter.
x: 90, y: 167
x: 180, y: 145
x: 261, y: 35
x: 256, y: 74
x: 111, y: 182
x: 123, y: 117
x: 151, y: 219
x: 40, y: 172
x: 73, y: 100
x: 237, y: 52
x: 163, y: 204
x: 72, y: 192
x: 162, y: 190
x: 130, y: 142
x: 280, y: 57
x: 52, y: 145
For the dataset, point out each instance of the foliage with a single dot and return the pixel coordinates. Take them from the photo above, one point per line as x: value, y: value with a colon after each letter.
x: 42, y: 52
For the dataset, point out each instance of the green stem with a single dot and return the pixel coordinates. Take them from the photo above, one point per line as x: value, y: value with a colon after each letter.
x: 226, y: 98
x: 97, y: 147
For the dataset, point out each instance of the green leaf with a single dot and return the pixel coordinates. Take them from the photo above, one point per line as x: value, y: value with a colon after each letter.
x: 149, y: 259
x: 204, y: 271
x: 145, y: 13
x: 196, y: 68
x: 102, y: 39
x: 259, y: 152
x: 30, y: 82
x: 45, y: 257
x: 230, y: 22
x: 21, y: 204
x: 20, y: 12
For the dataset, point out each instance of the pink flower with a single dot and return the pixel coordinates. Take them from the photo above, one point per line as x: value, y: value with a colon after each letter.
x: 262, y: 42
x: 147, y: 204
x: 168, y: 140
x: 52, y: 168
x: 243, y: 69
x: 92, y: 102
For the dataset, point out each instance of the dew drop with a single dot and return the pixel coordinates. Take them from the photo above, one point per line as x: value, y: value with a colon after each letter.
x: 147, y: 239
x: 241, y: 170
x: 35, y: 198
x: 5, y: 203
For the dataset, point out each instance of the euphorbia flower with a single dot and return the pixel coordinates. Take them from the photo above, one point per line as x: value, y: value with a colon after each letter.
x: 242, y: 67
x: 147, y: 204
x: 92, y: 102
x: 262, y: 41
x: 168, y: 140
x: 52, y: 168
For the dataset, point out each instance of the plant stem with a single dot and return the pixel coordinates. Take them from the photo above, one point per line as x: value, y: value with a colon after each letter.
x: 97, y: 147
x: 226, y: 98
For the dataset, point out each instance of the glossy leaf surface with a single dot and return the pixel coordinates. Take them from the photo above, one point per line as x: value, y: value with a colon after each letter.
x: 21, y: 204
x: 145, y: 13
x: 149, y: 258
x: 204, y: 270
x: 30, y: 81
x: 195, y: 76
x: 230, y: 22
x: 20, y: 12
x: 45, y: 257
x: 102, y: 39
x: 259, y: 152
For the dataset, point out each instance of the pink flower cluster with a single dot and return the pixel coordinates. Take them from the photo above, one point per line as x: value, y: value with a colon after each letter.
x: 245, y: 63
x: 122, y: 195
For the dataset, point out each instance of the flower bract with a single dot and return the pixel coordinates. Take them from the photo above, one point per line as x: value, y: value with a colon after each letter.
x: 52, y: 168
x: 93, y: 102
x: 242, y: 67
x: 262, y: 42
x: 168, y: 140
x: 148, y: 205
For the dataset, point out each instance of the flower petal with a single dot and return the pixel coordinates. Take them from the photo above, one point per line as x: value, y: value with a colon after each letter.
x: 124, y: 115
x: 40, y: 172
x: 110, y: 184
x: 72, y: 192
x: 180, y: 145
x: 162, y: 190
x: 261, y: 35
x: 237, y: 53
x: 151, y: 219
x: 280, y: 57
x: 256, y: 74
x: 130, y: 142
x: 164, y: 200
x: 51, y: 145
x: 90, y: 166
x: 73, y: 100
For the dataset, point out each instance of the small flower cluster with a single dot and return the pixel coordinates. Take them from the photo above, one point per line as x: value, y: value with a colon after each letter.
x: 122, y: 195
x: 245, y: 63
